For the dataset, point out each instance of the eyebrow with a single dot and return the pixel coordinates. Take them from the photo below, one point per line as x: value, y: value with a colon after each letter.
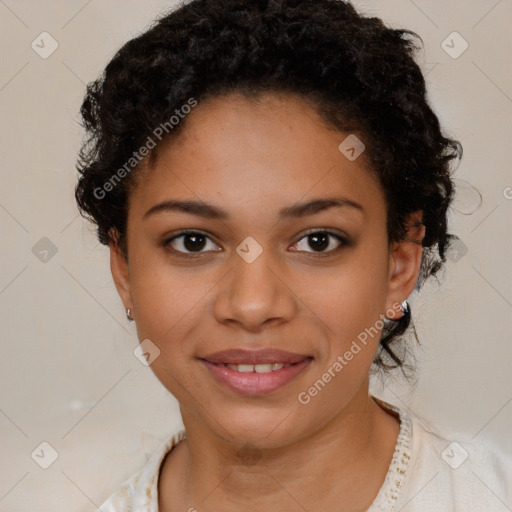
x: 209, y: 211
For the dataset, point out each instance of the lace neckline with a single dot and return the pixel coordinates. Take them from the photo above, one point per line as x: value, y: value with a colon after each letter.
x: 388, y: 494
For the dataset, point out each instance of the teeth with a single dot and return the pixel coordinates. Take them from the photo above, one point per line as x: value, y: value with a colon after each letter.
x: 263, y: 368
x: 257, y: 368
x: 245, y: 368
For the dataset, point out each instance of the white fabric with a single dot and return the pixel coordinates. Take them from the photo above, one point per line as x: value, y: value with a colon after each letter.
x: 428, y: 473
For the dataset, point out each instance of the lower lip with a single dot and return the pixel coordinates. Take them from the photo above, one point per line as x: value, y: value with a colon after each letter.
x: 252, y: 383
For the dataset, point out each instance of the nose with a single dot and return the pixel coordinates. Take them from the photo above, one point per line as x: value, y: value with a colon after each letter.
x: 255, y: 295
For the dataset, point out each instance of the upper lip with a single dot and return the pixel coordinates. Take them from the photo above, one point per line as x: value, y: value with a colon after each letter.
x: 260, y: 356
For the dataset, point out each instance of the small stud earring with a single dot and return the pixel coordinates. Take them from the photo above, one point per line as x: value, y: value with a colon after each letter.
x: 128, y: 314
x: 405, y: 308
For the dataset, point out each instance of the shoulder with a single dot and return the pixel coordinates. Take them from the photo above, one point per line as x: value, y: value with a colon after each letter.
x: 140, y: 492
x: 453, y: 472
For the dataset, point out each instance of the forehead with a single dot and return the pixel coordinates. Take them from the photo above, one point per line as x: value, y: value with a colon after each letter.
x: 248, y: 153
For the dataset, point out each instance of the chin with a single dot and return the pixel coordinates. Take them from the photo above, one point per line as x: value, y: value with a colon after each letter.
x: 259, y: 426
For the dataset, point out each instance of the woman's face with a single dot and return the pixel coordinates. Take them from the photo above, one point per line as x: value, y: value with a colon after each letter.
x: 288, y: 269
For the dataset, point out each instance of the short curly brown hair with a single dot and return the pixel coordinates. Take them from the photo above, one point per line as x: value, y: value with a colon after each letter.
x: 359, y: 74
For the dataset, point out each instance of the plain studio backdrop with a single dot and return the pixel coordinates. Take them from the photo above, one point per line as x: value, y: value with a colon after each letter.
x: 70, y: 379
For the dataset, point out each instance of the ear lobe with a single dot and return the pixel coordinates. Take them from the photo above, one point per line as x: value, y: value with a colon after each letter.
x: 405, y: 262
x: 120, y: 272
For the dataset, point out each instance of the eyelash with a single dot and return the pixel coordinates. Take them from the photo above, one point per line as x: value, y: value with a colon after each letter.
x: 316, y: 254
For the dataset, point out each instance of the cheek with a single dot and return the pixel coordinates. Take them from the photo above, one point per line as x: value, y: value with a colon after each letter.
x: 350, y: 307
x: 168, y: 310
x: 349, y: 298
x: 167, y: 299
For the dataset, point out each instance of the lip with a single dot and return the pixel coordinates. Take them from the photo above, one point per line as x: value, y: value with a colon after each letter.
x: 252, y: 383
x: 260, y: 356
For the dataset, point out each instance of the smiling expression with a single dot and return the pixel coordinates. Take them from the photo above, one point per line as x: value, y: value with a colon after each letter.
x: 284, y: 261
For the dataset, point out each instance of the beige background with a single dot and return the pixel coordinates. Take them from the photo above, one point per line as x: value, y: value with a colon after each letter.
x: 69, y: 376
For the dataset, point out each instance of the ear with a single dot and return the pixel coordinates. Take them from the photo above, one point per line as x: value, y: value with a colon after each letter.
x: 120, y: 271
x: 404, y: 263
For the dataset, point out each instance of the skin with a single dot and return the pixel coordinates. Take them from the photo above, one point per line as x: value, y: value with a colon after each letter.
x: 252, y: 158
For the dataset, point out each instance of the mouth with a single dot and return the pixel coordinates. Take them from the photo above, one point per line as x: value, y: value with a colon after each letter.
x: 257, y: 368
x: 255, y: 372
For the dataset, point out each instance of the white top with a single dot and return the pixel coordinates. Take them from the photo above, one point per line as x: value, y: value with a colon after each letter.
x: 427, y: 473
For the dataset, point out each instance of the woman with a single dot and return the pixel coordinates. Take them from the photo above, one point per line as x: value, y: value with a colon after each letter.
x: 273, y: 185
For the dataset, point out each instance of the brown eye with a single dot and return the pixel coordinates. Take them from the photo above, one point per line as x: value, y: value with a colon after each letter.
x: 191, y: 242
x: 320, y: 241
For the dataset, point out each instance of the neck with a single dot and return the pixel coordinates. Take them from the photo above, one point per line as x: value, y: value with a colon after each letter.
x: 345, y: 462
